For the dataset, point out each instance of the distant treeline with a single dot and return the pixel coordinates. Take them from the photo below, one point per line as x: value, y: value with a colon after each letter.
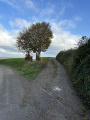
x: 77, y: 64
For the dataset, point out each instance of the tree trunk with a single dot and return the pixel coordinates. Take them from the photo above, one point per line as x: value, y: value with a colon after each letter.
x: 38, y: 56
x: 28, y: 57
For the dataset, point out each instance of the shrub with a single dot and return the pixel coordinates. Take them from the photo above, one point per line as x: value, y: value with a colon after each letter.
x: 77, y: 64
x: 82, y: 78
x: 64, y: 55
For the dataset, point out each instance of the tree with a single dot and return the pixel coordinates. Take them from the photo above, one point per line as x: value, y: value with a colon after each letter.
x: 41, y: 37
x: 24, y: 43
x: 36, y: 38
x: 82, y: 41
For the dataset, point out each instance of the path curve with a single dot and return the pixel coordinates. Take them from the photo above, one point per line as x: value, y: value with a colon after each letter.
x: 49, y: 97
x: 52, y: 96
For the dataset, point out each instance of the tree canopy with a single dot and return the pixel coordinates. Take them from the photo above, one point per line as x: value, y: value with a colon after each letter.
x: 36, y: 38
x: 41, y: 36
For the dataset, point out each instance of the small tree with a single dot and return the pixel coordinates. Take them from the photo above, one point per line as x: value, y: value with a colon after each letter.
x: 41, y: 37
x: 24, y: 43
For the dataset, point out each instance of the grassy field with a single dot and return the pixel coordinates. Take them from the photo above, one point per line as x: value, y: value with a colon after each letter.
x: 28, y: 69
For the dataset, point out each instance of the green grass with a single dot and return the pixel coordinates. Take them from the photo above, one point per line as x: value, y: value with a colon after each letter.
x: 28, y: 69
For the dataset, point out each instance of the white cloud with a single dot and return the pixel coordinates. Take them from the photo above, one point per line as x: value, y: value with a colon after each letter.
x: 1, y: 27
x: 5, y: 53
x: 47, y: 12
x: 2, y: 50
x: 67, y: 24
x: 21, y: 4
x: 71, y: 23
x: 78, y: 18
x: 30, y: 4
x: 64, y: 5
x: 15, y: 32
x: 35, y: 19
x: 7, y: 42
x: 5, y: 38
x: 62, y: 40
x: 18, y: 22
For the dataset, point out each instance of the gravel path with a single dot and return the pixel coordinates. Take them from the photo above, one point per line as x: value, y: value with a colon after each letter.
x: 49, y: 97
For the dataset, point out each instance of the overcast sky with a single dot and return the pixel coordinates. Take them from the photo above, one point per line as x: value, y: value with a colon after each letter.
x: 69, y: 20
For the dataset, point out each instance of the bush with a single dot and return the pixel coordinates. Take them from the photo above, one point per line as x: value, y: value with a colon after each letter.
x: 64, y: 55
x: 77, y: 64
x: 66, y: 58
x: 82, y: 78
x: 82, y: 52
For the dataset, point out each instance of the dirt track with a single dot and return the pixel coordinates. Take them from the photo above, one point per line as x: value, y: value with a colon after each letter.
x: 49, y: 97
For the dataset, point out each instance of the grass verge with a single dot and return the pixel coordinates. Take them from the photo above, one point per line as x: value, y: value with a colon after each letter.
x: 28, y: 69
